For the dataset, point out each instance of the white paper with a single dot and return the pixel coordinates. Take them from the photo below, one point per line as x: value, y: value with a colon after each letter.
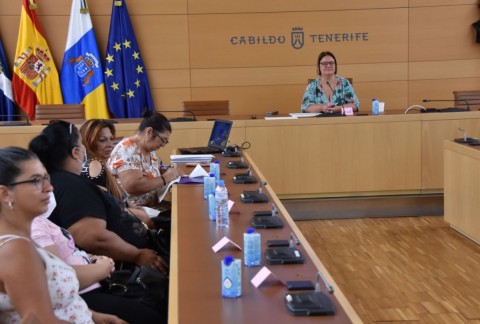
x: 302, y: 115
x: 281, y: 117
x: 261, y: 276
x: 198, y: 172
x: 151, y: 212
x: 191, y: 158
x: 162, y: 192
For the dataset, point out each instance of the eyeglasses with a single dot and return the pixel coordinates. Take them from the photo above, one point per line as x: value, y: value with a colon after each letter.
x: 325, y: 64
x: 38, y: 181
x: 163, y: 139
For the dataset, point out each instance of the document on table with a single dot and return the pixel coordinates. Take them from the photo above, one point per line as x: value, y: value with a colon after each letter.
x: 303, y: 115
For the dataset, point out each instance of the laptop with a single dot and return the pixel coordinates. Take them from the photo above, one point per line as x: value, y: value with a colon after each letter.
x: 217, y: 142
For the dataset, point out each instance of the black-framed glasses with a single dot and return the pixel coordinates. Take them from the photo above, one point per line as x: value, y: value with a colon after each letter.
x: 37, y: 181
x: 325, y: 64
x: 163, y: 139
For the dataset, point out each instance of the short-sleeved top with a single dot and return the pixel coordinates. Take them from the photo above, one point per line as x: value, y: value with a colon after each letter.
x: 78, y: 197
x: 343, y: 94
x: 45, y: 233
x: 127, y: 156
x: 62, y: 286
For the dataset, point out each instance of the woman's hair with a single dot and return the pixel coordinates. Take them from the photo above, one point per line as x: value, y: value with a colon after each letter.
x: 90, y: 131
x: 155, y: 120
x: 55, y: 143
x: 321, y: 56
x: 11, y: 158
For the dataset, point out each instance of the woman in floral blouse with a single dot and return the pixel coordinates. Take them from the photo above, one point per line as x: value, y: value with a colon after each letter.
x: 137, y: 166
x: 329, y: 93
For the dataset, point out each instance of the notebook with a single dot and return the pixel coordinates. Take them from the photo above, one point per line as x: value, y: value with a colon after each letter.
x: 217, y: 142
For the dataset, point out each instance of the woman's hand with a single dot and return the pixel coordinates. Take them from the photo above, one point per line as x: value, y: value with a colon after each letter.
x: 105, y: 264
x: 171, y: 174
x: 101, y: 318
x: 150, y: 258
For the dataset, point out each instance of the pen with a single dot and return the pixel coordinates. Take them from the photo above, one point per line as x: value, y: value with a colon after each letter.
x: 166, y: 166
x: 329, y: 287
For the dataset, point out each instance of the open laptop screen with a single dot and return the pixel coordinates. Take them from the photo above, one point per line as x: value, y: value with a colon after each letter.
x: 220, y: 133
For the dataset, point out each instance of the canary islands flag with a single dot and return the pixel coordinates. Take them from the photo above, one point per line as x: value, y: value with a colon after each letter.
x: 81, y: 77
x: 7, y: 105
x: 35, y: 77
x: 126, y: 80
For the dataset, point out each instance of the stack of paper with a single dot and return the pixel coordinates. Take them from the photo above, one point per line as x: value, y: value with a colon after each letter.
x: 191, y: 158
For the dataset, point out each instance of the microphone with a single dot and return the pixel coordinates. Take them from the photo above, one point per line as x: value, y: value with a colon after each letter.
x: 181, y: 119
x: 449, y: 100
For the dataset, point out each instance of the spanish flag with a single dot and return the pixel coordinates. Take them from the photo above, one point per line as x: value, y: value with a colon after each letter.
x: 35, y: 78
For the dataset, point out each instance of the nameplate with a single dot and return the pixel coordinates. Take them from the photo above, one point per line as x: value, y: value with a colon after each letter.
x: 261, y: 276
x: 222, y: 243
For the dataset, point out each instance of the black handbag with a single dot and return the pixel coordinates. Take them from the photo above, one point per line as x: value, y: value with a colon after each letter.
x: 144, y: 284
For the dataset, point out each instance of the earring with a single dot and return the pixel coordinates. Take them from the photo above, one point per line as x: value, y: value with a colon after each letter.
x: 10, y: 205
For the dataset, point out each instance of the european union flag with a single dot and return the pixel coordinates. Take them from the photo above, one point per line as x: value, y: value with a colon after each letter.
x: 7, y: 105
x: 126, y: 80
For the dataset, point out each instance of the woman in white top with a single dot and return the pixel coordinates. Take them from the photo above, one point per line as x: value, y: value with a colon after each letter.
x: 34, y: 284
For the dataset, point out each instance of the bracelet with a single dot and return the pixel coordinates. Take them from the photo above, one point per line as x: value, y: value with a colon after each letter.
x: 164, y: 182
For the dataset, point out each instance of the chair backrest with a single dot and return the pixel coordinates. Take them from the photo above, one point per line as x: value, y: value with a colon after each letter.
x: 349, y: 80
x: 472, y: 97
x: 60, y: 111
x: 206, y: 108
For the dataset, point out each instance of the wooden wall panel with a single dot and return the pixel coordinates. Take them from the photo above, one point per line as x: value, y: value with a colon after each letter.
x: 98, y: 7
x: 255, y: 100
x: 439, y: 89
x: 211, y: 37
x: 452, y: 69
x: 221, y: 6
x: 432, y: 3
x: 416, y: 48
x: 443, y: 33
x: 287, y: 98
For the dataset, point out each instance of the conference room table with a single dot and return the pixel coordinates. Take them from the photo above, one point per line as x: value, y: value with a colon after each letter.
x: 195, y: 269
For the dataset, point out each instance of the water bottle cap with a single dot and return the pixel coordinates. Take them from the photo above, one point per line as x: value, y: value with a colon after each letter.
x: 212, y: 175
x: 217, y: 162
x: 228, y: 260
x: 373, y: 99
x: 221, y: 182
x: 250, y: 231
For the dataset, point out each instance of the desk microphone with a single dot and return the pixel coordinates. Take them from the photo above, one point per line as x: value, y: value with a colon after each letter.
x: 449, y: 100
x: 181, y: 119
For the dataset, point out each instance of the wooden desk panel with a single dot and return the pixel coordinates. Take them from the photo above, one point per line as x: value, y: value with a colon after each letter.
x: 462, y: 189
x: 196, y: 271
x: 333, y: 156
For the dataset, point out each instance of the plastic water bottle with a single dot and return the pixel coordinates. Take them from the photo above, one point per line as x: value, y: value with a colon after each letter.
x: 231, y: 277
x: 221, y: 204
x: 211, y: 206
x: 215, y: 169
x: 252, y: 248
x: 208, y: 185
x: 375, y: 107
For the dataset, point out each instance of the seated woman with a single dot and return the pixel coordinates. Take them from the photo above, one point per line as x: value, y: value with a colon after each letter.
x: 34, y: 284
x: 98, y: 136
x: 136, y: 165
x: 90, y: 270
x: 91, y: 215
x: 329, y: 93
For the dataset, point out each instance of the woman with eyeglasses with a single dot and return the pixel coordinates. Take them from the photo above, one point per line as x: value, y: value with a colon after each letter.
x: 329, y: 93
x: 98, y: 136
x: 35, y: 285
x: 93, y: 216
x: 135, y: 164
